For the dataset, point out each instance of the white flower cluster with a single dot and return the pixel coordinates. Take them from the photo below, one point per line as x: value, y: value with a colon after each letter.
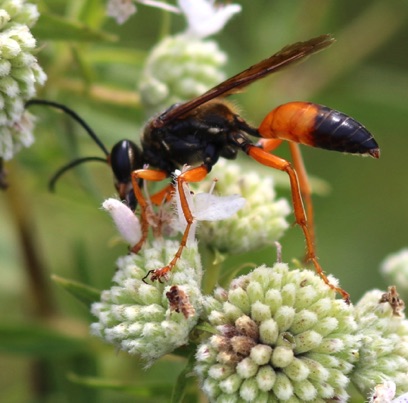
x: 282, y: 336
x: 278, y: 334
x: 384, y: 352
x: 184, y: 66
x: 204, y: 17
x: 179, y: 68
x: 19, y: 74
x: 150, y: 320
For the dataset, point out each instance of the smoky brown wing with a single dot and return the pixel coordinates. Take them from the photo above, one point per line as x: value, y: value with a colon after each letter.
x: 286, y: 56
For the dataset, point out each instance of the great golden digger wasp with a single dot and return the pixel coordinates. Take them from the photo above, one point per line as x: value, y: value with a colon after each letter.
x: 200, y: 131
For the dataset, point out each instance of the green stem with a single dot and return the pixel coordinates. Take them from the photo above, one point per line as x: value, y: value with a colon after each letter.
x: 38, y: 283
x: 212, y: 262
x: 42, y: 303
x: 165, y: 24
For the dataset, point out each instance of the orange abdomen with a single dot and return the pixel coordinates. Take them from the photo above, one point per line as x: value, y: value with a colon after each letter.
x: 318, y: 126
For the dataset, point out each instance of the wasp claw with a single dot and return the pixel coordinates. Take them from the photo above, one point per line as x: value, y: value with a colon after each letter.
x: 147, y: 275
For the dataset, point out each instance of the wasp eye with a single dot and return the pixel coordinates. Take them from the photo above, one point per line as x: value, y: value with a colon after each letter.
x: 125, y: 157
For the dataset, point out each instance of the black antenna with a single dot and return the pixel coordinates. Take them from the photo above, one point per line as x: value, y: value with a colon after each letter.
x: 74, y: 116
x: 67, y: 167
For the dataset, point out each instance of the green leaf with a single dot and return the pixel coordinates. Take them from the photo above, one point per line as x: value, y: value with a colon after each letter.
x: 52, y: 27
x: 118, y: 56
x: 82, y: 292
x: 145, y: 389
x: 37, y: 340
x: 181, y: 385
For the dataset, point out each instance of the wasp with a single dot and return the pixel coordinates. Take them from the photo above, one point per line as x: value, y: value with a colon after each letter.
x: 200, y: 131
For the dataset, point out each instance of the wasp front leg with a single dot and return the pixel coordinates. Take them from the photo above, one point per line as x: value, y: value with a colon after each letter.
x: 273, y: 161
x: 149, y: 175
x: 192, y: 175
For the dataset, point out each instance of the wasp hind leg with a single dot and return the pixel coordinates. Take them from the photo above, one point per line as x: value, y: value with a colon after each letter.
x: 304, y: 185
x: 281, y: 164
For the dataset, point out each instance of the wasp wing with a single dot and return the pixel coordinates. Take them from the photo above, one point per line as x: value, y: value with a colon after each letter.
x: 286, y: 56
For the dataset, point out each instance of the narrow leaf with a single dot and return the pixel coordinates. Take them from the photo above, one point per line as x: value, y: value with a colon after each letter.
x: 179, y: 390
x: 145, y: 389
x: 53, y: 27
x: 82, y: 292
x: 33, y: 339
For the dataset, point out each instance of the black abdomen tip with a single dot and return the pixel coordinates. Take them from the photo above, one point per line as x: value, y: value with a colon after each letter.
x: 336, y: 131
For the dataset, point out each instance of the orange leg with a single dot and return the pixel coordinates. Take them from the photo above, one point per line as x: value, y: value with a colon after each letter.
x: 304, y: 184
x: 299, y: 166
x: 150, y: 175
x: 159, y: 199
x: 192, y: 175
x: 163, y: 195
x: 278, y: 163
x: 269, y: 144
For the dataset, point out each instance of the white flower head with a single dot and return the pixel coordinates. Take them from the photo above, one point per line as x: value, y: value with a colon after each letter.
x: 150, y: 319
x: 13, y: 138
x: 179, y: 68
x: 120, y: 10
x: 383, y: 330
x: 20, y: 75
x: 205, y: 18
x: 281, y: 336
x: 395, y: 270
x: 400, y: 399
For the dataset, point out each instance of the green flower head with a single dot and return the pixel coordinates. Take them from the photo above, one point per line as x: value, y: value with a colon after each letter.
x: 151, y: 319
x: 179, y: 68
x: 384, y: 352
x: 19, y: 75
x: 260, y: 222
x: 281, y: 336
x: 186, y: 65
x: 395, y: 270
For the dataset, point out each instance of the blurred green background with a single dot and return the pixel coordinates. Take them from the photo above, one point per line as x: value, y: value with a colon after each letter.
x: 95, y: 71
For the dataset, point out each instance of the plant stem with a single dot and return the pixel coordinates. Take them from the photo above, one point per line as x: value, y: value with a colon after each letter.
x: 36, y: 272
x: 212, y: 263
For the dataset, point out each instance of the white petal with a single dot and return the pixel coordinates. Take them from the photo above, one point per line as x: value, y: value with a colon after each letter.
x: 400, y: 399
x: 383, y: 393
x: 125, y: 220
x: 121, y: 10
x: 204, y: 18
x: 209, y: 207
x: 160, y: 4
